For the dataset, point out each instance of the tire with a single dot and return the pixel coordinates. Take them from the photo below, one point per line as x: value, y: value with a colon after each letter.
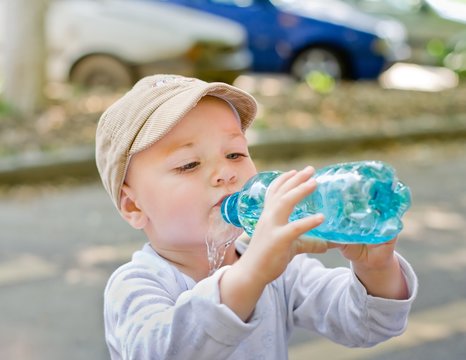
x: 101, y: 71
x: 318, y: 59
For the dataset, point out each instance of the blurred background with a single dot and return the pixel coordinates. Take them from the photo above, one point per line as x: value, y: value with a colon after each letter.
x: 335, y: 80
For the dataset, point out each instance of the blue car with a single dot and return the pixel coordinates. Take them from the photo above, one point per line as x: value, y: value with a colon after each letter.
x: 301, y: 36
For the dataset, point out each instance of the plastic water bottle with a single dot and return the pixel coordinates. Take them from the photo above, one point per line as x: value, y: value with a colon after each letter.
x: 362, y: 202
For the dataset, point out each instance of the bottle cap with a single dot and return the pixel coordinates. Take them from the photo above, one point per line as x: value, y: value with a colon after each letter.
x: 229, y: 211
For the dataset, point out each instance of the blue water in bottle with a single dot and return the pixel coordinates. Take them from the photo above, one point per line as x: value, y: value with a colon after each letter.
x: 363, y: 202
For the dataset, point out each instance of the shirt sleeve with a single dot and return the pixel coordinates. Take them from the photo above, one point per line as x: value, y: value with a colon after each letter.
x: 149, y: 316
x: 335, y: 304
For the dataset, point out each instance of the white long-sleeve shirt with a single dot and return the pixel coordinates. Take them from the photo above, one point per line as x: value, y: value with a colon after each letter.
x: 153, y: 311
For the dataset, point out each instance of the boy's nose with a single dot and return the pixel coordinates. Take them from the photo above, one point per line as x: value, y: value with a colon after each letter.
x: 225, y: 175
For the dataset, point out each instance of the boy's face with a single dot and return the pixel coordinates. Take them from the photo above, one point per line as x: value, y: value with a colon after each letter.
x: 175, y: 185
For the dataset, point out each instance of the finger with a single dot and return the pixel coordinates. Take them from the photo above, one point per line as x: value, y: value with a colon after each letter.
x: 390, y: 243
x: 298, y: 227
x: 298, y: 193
x: 280, y: 180
x: 311, y: 245
x: 334, y: 245
x: 299, y: 178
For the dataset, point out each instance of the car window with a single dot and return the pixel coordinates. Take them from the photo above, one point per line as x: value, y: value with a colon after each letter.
x: 240, y: 3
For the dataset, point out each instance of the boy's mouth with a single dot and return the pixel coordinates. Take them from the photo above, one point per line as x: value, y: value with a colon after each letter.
x: 219, y: 203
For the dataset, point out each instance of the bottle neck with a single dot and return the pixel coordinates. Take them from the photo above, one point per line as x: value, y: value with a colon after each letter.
x: 229, y: 210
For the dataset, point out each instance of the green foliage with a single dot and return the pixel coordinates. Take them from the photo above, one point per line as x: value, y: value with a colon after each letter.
x: 5, y: 108
x: 320, y: 82
x: 436, y: 48
x: 260, y: 123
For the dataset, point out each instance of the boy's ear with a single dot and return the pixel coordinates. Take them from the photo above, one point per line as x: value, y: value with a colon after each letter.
x: 130, y: 210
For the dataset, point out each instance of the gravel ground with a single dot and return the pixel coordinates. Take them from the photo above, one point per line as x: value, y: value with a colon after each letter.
x: 71, y: 117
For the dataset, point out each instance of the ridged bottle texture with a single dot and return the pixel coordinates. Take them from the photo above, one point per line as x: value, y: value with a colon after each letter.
x: 363, y: 202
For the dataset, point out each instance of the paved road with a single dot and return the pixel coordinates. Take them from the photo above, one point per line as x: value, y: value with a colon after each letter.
x: 58, y: 246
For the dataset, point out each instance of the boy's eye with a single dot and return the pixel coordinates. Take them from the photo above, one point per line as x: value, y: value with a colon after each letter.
x: 187, y: 167
x: 234, y: 156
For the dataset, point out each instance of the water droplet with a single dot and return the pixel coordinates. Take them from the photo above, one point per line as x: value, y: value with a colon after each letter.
x: 219, y: 237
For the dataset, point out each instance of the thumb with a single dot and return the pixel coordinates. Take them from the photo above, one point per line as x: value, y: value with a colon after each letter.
x: 306, y: 244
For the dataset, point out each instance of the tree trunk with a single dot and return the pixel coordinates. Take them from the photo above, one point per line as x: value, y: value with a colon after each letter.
x: 24, y: 55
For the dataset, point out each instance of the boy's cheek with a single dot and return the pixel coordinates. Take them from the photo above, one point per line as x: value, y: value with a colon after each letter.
x: 183, y: 223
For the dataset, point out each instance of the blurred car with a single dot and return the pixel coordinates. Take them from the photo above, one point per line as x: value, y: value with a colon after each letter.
x: 300, y: 36
x: 114, y: 42
x: 449, y: 9
x: 436, y: 28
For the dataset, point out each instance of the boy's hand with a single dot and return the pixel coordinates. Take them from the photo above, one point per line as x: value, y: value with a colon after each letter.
x: 377, y: 268
x: 369, y: 256
x: 274, y: 243
x: 276, y: 240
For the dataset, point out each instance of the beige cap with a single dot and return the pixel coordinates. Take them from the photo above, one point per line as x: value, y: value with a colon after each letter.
x: 147, y: 112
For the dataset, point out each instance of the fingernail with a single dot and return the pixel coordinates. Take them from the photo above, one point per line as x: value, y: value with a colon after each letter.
x: 320, y: 217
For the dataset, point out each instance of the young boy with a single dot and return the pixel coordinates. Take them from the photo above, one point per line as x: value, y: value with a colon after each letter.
x: 168, y: 152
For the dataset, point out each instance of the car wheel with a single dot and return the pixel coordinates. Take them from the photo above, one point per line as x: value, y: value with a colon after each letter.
x: 101, y: 71
x: 317, y: 59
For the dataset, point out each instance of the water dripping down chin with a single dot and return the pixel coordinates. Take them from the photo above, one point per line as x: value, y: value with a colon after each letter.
x: 219, y: 237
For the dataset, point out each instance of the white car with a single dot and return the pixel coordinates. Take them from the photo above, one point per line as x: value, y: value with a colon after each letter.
x: 435, y: 28
x: 115, y: 42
